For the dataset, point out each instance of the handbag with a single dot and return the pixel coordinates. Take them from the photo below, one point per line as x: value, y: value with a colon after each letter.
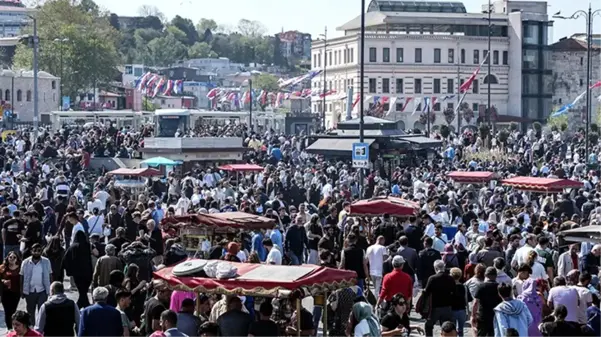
x: 424, y: 305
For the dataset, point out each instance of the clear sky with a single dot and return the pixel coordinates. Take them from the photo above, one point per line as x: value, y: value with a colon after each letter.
x: 312, y: 16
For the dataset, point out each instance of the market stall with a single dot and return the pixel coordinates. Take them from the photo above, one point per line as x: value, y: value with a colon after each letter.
x: 133, y: 179
x: 194, y: 229
x: 384, y: 205
x: 236, y: 169
x: 471, y: 177
x: 591, y: 234
x: 261, y: 280
x: 541, y: 185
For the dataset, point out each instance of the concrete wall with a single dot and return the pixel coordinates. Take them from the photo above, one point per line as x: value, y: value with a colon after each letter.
x: 48, y: 98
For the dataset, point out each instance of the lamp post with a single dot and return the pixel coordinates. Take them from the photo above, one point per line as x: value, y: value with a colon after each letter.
x: 250, y: 110
x: 361, y: 89
x: 489, y: 61
x: 61, y: 42
x: 325, y: 80
x: 588, y: 15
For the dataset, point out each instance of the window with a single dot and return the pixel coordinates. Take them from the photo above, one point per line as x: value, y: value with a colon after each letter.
x: 437, y: 85
x: 485, y: 57
x: 418, y: 55
x: 386, y: 107
x: 505, y: 57
x: 399, y: 55
x: 352, y: 55
x: 450, y: 106
x: 314, y: 61
x: 53, y: 84
x: 437, y: 107
x: 450, y: 86
x: 386, y: 85
x: 7, y: 95
x: 462, y: 56
x: 476, y: 109
x: 19, y: 95
x: 476, y: 56
x: 436, y: 55
x: 495, y: 57
x: 582, y: 61
x: 451, y: 55
x: 491, y: 78
x: 372, y: 85
x: 386, y: 55
x: 138, y: 71
x: 399, y: 107
x: 330, y: 58
x: 475, y: 87
x: 417, y: 86
x: 128, y: 70
x: 345, y: 57
x: 399, y: 85
x: 581, y: 84
x: 319, y: 61
x: 373, y: 54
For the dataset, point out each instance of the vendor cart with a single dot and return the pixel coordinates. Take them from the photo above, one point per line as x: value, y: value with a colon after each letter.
x: 385, y: 205
x: 472, y: 177
x: 133, y: 180
x: 541, y: 185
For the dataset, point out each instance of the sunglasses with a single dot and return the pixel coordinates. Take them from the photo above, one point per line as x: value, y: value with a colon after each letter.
x: 12, y: 257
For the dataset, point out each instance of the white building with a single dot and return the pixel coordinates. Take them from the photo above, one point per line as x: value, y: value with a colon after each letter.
x: 416, y: 50
x: 16, y: 93
x: 13, y: 17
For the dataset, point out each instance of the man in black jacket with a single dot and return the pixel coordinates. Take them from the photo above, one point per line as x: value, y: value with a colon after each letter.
x: 440, y: 289
x: 59, y: 316
x: 425, y: 268
x: 415, y: 233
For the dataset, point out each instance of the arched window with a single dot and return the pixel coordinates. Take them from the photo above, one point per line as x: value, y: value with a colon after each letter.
x: 28, y: 96
x: 493, y: 79
x: 7, y: 95
x: 19, y: 95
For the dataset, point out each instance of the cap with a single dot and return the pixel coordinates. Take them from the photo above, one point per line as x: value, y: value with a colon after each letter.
x: 398, y: 261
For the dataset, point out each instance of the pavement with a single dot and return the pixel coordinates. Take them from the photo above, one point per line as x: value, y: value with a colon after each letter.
x: 307, y: 303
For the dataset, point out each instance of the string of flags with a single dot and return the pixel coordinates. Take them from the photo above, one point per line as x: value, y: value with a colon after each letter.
x: 153, y: 85
x: 566, y: 108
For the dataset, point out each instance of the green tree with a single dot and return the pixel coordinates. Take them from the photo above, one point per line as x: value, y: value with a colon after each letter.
x: 186, y: 26
x: 201, y: 50
x: 538, y: 128
x: 251, y: 28
x: 484, y: 130
x: 177, y: 33
x: 165, y: 50
x: 513, y: 126
x: 205, y: 24
x: 90, y: 56
x: 266, y: 82
x: 445, y: 131
x: 556, y: 122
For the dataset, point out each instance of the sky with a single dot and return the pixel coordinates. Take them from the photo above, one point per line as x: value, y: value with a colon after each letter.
x: 312, y: 16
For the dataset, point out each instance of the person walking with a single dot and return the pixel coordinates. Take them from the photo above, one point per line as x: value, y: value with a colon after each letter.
x: 54, y: 252
x: 105, y: 265
x: 59, y: 316
x: 375, y: 257
x: 511, y: 313
x: 440, y: 288
x: 78, y: 264
x: 11, y: 286
x: 36, y: 272
x: 486, y: 299
x: 534, y: 303
x: 459, y: 301
x: 100, y: 319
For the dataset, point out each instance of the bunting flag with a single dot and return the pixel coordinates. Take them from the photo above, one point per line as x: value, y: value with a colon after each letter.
x: 416, y: 104
x: 467, y: 84
x: 327, y: 93
x: 168, y: 87
x: 178, y: 87
x: 158, y: 87
x: 448, y: 97
x: 407, y: 101
x: 142, y: 80
x: 357, y: 99
x: 392, y: 106
x: 150, y: 84
x: 427, y: 104
x: 212, y: 93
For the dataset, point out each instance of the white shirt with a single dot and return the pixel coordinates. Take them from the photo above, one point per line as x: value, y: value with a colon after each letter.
x: 36, y: 284
x: 429, y: 230
x: 375, y: 256
x: 585, y: 299
x: 76, y: 228
x: 19, y: 145
x: 362, y: 329
x: 103, y: 197
x: 95, y: 222
x: 326, y: 190
x: 460, y: 239
x: 274, y: 256
x: 521, y: 255
x: 538, y: 271
x: 241, y: 255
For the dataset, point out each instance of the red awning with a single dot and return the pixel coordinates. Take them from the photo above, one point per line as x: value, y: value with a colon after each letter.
x: 234, y: 220
x: 471, y: 177
x: 240, y: 167
x: 543, y: 185
x: 385, y: 205
x: 141, y: 172
x: 264, y: 280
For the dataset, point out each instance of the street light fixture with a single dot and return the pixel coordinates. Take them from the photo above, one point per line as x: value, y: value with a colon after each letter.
x: 588, y: 16
x: 61, y: 42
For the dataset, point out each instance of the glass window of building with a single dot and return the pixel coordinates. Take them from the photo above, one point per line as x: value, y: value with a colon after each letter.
x: 462, y: 56
x: 399, y: 107
x: 475, y: 87
x: 451, y: 54
x: 495, y: 57
x: 386, y: 85
x: 373, y: 54
x: 530, y: 59
x: 476, y: 56
x: 450, y: 86
x: 485, y: 56
x: 399, y: 85
x: 352, y: 55
x: 437, y: 107
x: 436, y: 85
x: 399, y: 55
x: 531, y: 84
x: 531, y: 33
x: 505, y: 57
x: 417, y: 86
x: 330, y: 58
x: 475, y: 108
x: 450, y: 106
x: 386, y: 55
x: 436, y: 55
x: 372, y: 85
x: 418, y: 55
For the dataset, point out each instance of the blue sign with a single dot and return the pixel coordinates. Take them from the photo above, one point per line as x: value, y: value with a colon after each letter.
x: 360, y: 155
x: 66, y: 103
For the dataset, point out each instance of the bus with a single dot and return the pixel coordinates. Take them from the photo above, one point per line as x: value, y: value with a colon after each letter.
x: 117, y: 118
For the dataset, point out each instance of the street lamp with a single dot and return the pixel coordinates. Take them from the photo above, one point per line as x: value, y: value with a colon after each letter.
x: 489, y: 62
x: 61, y: 42
x: 588, y: 15
x: 35, y: 44
x: 361, y: 88
x: 325, y: 80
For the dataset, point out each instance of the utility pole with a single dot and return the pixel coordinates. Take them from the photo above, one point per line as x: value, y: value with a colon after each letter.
x: 36, y: 108
x: 361, y: 90
x: 489, y: 61
x: 458, y: 89
x: 325, y: 80
x: 250, y: 109
x: 589, y: 46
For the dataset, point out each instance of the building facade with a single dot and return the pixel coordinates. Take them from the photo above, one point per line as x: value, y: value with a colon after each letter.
x: 16, y: 89
x: 421, y: 52
x: 568, y: 61
x: 294, y: 44
x: 13, y: 17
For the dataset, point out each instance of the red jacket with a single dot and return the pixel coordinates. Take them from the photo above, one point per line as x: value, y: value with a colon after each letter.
x: 396, y: 282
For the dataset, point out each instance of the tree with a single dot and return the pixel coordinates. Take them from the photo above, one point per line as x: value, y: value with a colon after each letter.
x: 556, y: 122
x: 147, y: 10
x: 251, y: 28
x: 266, y: 82
x: 445, y: 132
x: 89, y: 58
x: 165, y: 51
x: 150, y: 22
x: 177, y: 34
x: 593, y: 138
x: 513, y: 126
x: 201, y: 50
x: 484, y: 130
x: 594, y: 128
x: 205, y: 24
x: 186, y: 26
x: 503, y: 136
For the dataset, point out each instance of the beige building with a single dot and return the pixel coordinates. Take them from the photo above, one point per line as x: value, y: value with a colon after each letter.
x: 16, y: 90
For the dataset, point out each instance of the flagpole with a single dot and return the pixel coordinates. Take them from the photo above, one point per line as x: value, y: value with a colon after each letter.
x: 428, y: 115
x: 458, y: 86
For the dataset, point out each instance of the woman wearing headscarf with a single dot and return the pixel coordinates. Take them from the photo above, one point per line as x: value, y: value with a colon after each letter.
x: 232, y: 251
x: 450, y: 259
x: 366, y: 324
x: 535, y: 304
x: 54, y: 252
x: 78, y: 264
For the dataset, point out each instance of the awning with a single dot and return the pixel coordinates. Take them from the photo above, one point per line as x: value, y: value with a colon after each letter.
x: 335, y: 146
x: 421, y: 142
x: 471, y: 177
x: 541, y: 185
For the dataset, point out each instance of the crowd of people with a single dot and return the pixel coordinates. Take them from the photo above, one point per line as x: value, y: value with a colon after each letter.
x: 505, y: 272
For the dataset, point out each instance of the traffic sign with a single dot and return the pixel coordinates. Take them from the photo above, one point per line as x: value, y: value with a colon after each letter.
x: 360, y: 155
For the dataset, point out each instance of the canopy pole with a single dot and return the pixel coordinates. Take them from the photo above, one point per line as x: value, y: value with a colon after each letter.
x: 298, y: 317
x: 325, y: 315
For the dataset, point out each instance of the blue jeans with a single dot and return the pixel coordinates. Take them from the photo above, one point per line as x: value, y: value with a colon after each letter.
x: 459, y: 317
x: 361, y: 285
x: 11, y: 248
x: 295, y: 260
x: 317, y: 310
